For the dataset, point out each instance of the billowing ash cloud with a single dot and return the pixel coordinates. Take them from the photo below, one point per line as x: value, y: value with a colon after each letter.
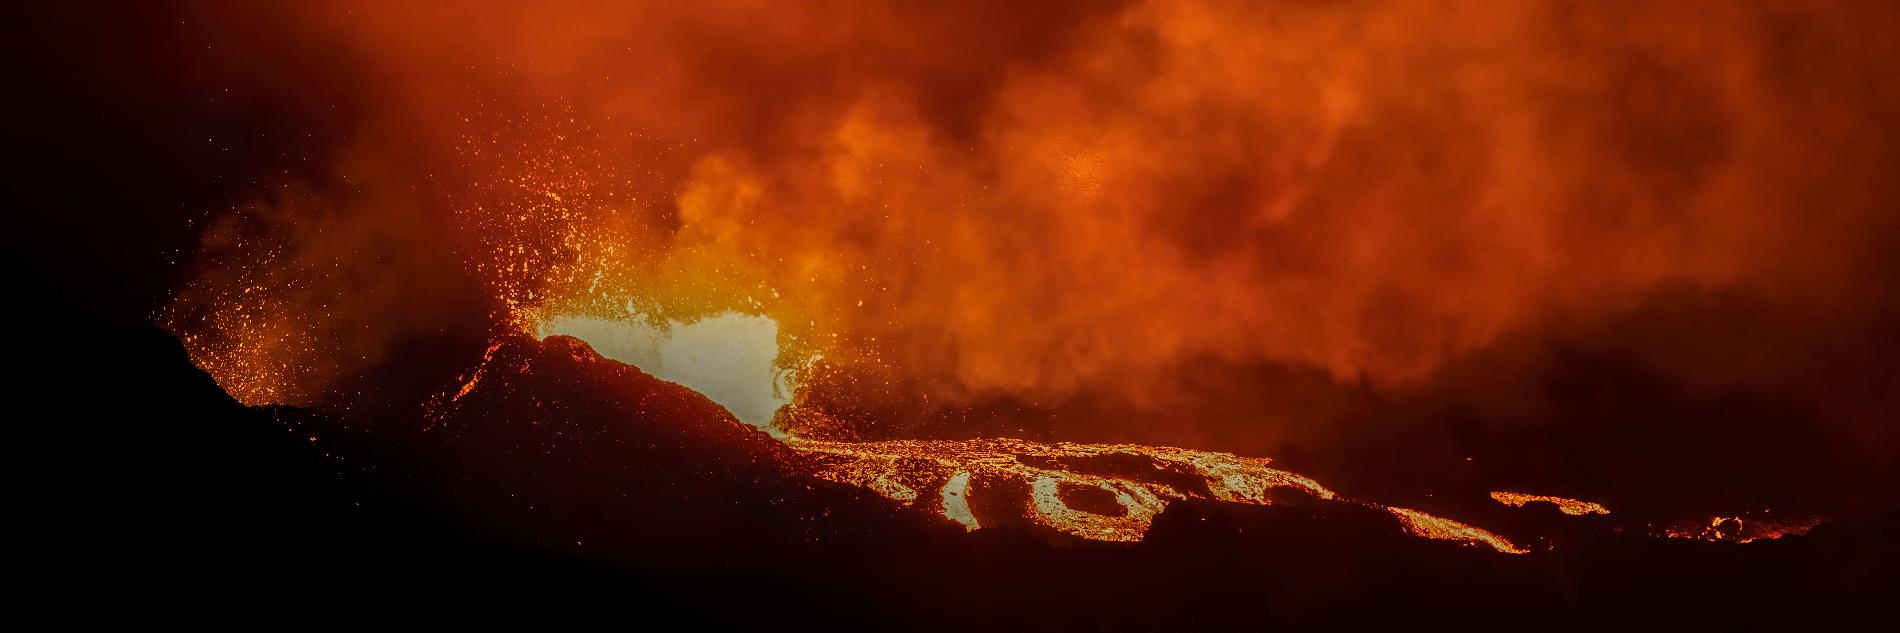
x: 1035, y: 201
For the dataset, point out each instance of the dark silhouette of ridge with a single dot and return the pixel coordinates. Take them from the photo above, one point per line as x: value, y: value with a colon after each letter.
x: 564, y: 485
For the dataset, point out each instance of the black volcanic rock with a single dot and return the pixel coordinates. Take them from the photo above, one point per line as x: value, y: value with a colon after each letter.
x: 560, y: 448
x: 136, y: 477
x: 564, y: 485
x: 554, y: 443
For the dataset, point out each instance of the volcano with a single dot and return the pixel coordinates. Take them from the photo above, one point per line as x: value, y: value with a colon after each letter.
x: 1129, y: 315
x: 569, y: 485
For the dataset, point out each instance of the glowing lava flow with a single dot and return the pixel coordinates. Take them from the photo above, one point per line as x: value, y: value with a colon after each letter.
x: 1571, y: 507
x: 729, y: 358
x: 1435, y: 527
x: 1741, y: 528
x: 897, y: 469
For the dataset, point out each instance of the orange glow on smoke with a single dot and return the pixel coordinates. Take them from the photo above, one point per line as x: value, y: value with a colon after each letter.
x: 959, y: 204
x: 1026, y: 203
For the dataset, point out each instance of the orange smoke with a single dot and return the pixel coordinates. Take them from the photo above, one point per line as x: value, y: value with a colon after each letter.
x: 1028, y: 201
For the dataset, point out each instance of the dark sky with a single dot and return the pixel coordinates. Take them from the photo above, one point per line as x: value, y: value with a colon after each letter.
x: 128, y: 127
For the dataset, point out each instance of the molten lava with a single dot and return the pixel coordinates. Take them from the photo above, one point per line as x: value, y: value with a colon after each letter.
x: 729, y: 358
x: 898, y: 469
x: 1571, y: 507
x: 1741, y: 528
x: 1428, y: 526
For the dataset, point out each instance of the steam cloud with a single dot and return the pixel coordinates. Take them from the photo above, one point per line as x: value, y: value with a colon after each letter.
x: 1031, y: 201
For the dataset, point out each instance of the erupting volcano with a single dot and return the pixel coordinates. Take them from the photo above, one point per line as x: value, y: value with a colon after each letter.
x: 1138, y: 314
